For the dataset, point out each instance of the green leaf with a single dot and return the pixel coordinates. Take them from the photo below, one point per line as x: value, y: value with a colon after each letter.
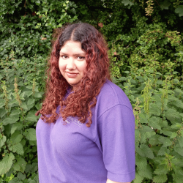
x: 31, y: 116
x: 15, y: 112
x: 173, y: 116
x: 38, y: 95
x: 166, y: 132
x: 140, y: 152
x: 165, y: 5
x: 10, y: 120
x: 30, y: 103
x: 2, y: 112
x: 141, y: 162
x: 163, y: 150
x: 180, y: 139
x: 30, y: 134
x: 143, y: 138
x: 21, y: 176
x: 160, y: 178
x: 164, y: 123
x: 31, y: 168
x: 16, y: 126
x: 28, y: 93
x: 162, y: 169
x: 138, y: 178
x: 177, y: 161
x: 178, y: 170
x: 2, y: 140
x: 173, y: 101
x: 20, y: 165
x: 15, y: 180
x: 146, y: 172
x: 6, y: 163
x: 177, y: 178
x: 176, y: 126
x: 18, y: 148
x: 181, y: 132
x: 127, y: 2
x: 165, y: 140
x: 16, y: 137
x: 179, y: 10
x: 24, y: 106
x: 12, y: 103
x: 155, y: 109
x: 143, y: 118
x: 147, y: 151
x: 1, y: 103
x: 137, y: 135
x: 154, y: 140
x: 155, y: 122
x: 173, y: 135
x: 145, y: 129
x: 38, y: 105
x: 179, y: 150
x: 150, y: 134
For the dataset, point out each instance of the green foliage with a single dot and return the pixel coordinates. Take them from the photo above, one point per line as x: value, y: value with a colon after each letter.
x: 140, y: 33
x: 17, y: 127
x: 146, y: 53
x: 158, y: 110
x: 26, y: 29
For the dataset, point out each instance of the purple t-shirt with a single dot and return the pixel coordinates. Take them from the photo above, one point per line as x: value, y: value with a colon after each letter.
x: 74, y: 153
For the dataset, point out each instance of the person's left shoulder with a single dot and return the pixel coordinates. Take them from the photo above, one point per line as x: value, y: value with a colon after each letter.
x: 111, y: 95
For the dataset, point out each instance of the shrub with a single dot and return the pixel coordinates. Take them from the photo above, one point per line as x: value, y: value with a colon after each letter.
x: 146, y: 52
x: 158, y: 110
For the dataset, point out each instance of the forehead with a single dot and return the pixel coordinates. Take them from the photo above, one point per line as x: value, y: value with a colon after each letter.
x: 72, y: 47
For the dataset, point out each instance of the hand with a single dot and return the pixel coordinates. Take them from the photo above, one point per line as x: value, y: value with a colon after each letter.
x: 110, y: 181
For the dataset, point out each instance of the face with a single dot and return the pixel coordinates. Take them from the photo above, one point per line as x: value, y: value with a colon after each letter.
x: 72, y: 63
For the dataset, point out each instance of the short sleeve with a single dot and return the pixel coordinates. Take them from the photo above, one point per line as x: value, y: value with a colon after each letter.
x: 117, y: 136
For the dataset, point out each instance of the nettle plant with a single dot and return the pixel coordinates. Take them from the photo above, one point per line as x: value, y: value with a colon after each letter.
x: 158, y: 110
x: 26, y: 29
x: 156, y: 47
x: 17, y: 132
x: 138, y: 32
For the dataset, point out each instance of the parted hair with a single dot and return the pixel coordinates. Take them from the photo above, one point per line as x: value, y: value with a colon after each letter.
x: 81, y: 101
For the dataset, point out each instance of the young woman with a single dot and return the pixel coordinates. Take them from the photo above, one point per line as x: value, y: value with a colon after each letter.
x: 86, y: 131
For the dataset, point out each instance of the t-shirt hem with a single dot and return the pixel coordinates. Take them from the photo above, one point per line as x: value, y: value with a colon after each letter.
x: 128, y: 177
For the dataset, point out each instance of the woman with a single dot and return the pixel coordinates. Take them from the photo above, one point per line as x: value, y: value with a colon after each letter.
x: 86, y: 131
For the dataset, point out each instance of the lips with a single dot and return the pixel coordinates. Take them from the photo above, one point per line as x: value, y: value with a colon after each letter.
x: 71, y: 75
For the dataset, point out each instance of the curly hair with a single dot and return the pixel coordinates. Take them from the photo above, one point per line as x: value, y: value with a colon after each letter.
x: 80, y: 102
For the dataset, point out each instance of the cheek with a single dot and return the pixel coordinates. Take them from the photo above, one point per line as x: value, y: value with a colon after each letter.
x: 61, y: 66
x: 82, y: 67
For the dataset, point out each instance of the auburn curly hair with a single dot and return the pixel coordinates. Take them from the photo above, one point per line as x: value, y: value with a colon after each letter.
x: 80, y: 102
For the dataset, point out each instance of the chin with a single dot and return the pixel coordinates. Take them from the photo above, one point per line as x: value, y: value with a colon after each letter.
x: 73, y: 84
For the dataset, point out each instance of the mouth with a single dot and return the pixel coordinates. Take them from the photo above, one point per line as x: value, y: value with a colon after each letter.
x: 71, y: 75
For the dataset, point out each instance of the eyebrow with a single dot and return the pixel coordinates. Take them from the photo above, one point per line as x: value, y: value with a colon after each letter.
x: 82, y: 53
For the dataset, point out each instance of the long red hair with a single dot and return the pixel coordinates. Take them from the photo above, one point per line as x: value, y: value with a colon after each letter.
x: 80, y: 102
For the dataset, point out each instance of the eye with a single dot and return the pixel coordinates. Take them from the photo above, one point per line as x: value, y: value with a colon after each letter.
x: 64, y: 56
x: 81, y: 58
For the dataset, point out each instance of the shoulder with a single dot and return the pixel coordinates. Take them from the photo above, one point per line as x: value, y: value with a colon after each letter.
x: 110, y: 96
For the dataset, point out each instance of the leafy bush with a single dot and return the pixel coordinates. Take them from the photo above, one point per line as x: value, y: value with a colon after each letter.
x: 18, y: 138
x: 139, y: 33
x: 26, y: 29
x: 146, y: 52
x: 158, y: 109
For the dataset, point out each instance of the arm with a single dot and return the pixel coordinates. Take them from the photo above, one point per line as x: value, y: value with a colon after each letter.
x: 110, y: 181
x: 116, y: 129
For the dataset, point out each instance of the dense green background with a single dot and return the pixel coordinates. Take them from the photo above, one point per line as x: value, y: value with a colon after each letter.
x: 146, y: 53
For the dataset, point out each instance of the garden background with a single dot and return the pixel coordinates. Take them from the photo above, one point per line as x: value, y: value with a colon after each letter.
x: 146, y: 53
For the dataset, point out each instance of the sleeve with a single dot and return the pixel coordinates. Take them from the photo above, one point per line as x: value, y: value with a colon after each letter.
x: 117, y: 136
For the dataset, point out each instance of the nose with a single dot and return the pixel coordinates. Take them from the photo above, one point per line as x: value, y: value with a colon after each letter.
x: 70, y: 64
